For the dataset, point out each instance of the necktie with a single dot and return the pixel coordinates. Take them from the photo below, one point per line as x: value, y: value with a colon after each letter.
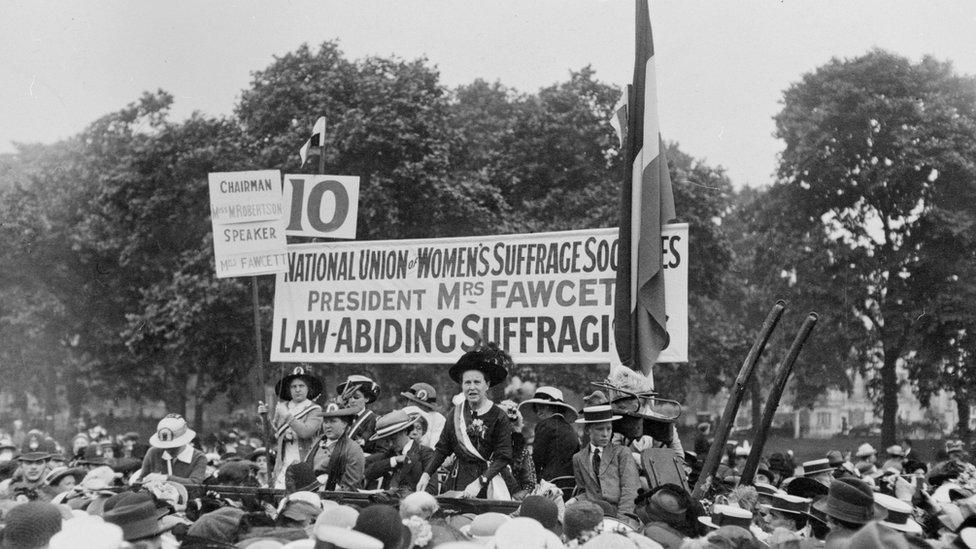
x: 596, y: 466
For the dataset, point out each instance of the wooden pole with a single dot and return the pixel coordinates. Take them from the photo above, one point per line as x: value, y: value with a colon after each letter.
x: 772, y: 401
x: 735, y: 398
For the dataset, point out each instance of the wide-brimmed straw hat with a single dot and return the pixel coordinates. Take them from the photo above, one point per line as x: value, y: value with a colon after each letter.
x: 899, y: 514
x: 423, y: 394
x: 549, y: 396
x: 392, y: 423
x: 283, y: 387
x: 865, y: 450
x: 849, y: 500
x: 172, y: 432
x: 489, y: 360
x: 727, y: 515
x: 370, y: 389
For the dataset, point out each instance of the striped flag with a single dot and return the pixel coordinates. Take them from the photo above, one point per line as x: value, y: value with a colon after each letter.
x: 646, y: 203
x: 318, y: 136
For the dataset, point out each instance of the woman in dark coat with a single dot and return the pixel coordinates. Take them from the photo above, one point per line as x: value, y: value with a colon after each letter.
x: 478, y: 433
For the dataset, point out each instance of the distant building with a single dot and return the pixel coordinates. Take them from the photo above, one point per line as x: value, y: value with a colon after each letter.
x: 838, y: 412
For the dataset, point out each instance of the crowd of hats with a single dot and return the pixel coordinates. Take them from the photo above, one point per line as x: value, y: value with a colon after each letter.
x: 864, y: 497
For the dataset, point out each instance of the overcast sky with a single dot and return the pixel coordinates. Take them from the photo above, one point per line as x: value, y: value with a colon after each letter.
x: 722, y: 66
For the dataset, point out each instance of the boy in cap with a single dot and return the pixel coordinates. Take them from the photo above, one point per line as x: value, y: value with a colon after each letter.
x: 28, y: 483
x: 604, y: 472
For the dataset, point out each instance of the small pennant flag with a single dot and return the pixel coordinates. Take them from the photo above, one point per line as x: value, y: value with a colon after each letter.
x: 619, y: 119
x: 318, y: 136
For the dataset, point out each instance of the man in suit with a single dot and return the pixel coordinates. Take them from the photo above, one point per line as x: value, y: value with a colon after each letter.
x: 555, y: 441
x: 605, y: 472
x: 399, y: 461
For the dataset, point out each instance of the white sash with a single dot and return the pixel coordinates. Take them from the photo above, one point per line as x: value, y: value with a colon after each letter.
x: 302, y: 412
x: 497, y: 489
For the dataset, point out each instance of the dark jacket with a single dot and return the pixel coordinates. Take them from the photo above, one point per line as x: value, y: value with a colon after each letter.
x: 183, y: 473
x: 495, y: 446
x: 553, y: 448
x: 403, y: 478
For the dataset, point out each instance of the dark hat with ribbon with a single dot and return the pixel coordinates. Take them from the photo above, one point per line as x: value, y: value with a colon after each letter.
x: 850, y: 500
x: 283, y: 387
x: 490, y: 360
x: 138, y: 521
x: 370, y: 389
x: 423, y: 394
x: 333, y: 409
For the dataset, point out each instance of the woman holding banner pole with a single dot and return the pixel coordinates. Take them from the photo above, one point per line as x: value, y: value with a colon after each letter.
x: 296, y: 422
x: 478, y: 433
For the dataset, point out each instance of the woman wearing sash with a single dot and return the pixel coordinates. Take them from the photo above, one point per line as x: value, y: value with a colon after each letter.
x: 357, y: 392
x: 296, y: 421
x: 478, y: 433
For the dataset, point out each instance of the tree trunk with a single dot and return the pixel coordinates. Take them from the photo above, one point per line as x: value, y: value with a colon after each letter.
x: 889, y: 396
x: 962, y: 410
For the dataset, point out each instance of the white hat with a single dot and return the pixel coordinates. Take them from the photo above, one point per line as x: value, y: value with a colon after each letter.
x: 865, y: 450
x: 899, y: 514
x: 346, y: 539
x: 172, y: 432
x: 723, y: 515
x: 549, y: 396
x: 87, y: 532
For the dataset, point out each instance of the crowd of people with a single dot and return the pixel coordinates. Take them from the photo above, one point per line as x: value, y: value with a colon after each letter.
x: 538, y: 474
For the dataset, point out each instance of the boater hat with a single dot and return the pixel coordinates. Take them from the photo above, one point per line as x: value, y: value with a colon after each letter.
x: 600, y: 413
x: 549, y: 396
x: 172, y: 432
x: 727, y: 515
x: 393, y: 423
x: 899, y: 514
x: 370, y: 389
x: 785, y: 503
x: 489, y: 360
x: 423, y: 394
x: 816, y: 466
x: 283, y: 387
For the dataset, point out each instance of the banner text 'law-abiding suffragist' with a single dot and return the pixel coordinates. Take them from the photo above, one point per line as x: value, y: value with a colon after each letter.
x: 545, y: 297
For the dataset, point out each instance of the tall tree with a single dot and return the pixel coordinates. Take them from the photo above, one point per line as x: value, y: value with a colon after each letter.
x: 879, y: 156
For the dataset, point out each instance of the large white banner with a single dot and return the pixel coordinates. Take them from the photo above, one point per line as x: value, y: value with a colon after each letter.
x: 248, y: 221
x: 546, y: 298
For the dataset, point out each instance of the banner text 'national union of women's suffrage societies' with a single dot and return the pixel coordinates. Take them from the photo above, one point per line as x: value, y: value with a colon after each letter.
x: 545, y: 297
